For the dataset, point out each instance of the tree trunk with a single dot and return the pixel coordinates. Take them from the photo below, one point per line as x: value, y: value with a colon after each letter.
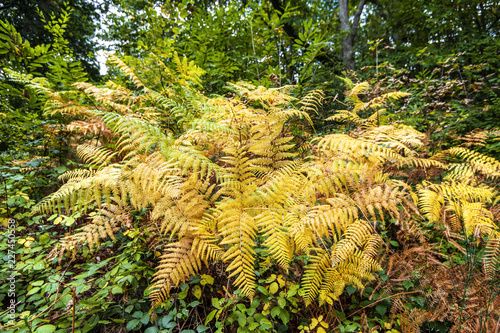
x: 350, y: 30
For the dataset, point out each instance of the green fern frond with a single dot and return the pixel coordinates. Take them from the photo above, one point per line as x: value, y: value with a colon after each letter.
x: 460, y: 172
x: 268, y: 97
x: 188, y: 72
x: 421, y: 163
x: 347, y: 116
x: 38, y: 84
x: 456, y: 191
x: 79, y: 195
x: 73, y: 109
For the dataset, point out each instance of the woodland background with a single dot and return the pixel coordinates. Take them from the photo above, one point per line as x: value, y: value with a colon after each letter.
x: 374, y: 125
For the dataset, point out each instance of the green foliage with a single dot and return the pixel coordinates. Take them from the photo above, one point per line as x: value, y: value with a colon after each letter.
x: 271, y: 43
x: 108, y: 290
x: 29, y: 18
x: 181, y: 212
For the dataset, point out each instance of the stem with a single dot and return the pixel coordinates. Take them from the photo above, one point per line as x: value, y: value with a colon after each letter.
x: 470, y: 265
x: 6, y: 196
x: 254, y: 54
x: 279, y: 59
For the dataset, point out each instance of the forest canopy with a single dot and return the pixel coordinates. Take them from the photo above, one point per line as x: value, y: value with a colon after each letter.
x: 271, y: 166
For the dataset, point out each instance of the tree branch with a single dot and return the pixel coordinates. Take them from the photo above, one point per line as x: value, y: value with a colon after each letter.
x: 327, y: 57
x: 357, y: 16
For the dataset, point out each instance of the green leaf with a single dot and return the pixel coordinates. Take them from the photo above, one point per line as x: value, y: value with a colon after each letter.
x: 350, y: 290
x: 394, y: 243
x: 275, y: 311
x: 145, y: 318
x: 183, y: 294
x: 206, y: 279
x: 32, y: 291
x: 61, y: 169
x: 263, y: 290
x: 284, y: 316
x: 351, y: 328
x: 151, y: 329
x: 210, y: 316
x: 202, y: 328
x: 44, y: 239
x: 132, y: 324
x: 253, y: 326
x: 242, y: 320
x: 117, y: 290
x: 45, y: 329
x: 265, y: 324
x: 381, y: 309
x: 38, y: 266
x: 282, y: 302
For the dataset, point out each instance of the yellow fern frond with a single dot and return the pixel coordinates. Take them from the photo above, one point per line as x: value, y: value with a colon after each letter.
x: 95, y: 156
x: 276, y: 236
x: 478, y: 221
x: 239, y: 229
x: 491, y: 261
x: 480, y: 162
x: 125, y: 69
x: 314, y: 274
x: 176, y: 265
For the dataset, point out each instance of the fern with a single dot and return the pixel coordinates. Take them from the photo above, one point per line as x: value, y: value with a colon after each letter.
x: 358, y: 105
x: 229, y: 184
